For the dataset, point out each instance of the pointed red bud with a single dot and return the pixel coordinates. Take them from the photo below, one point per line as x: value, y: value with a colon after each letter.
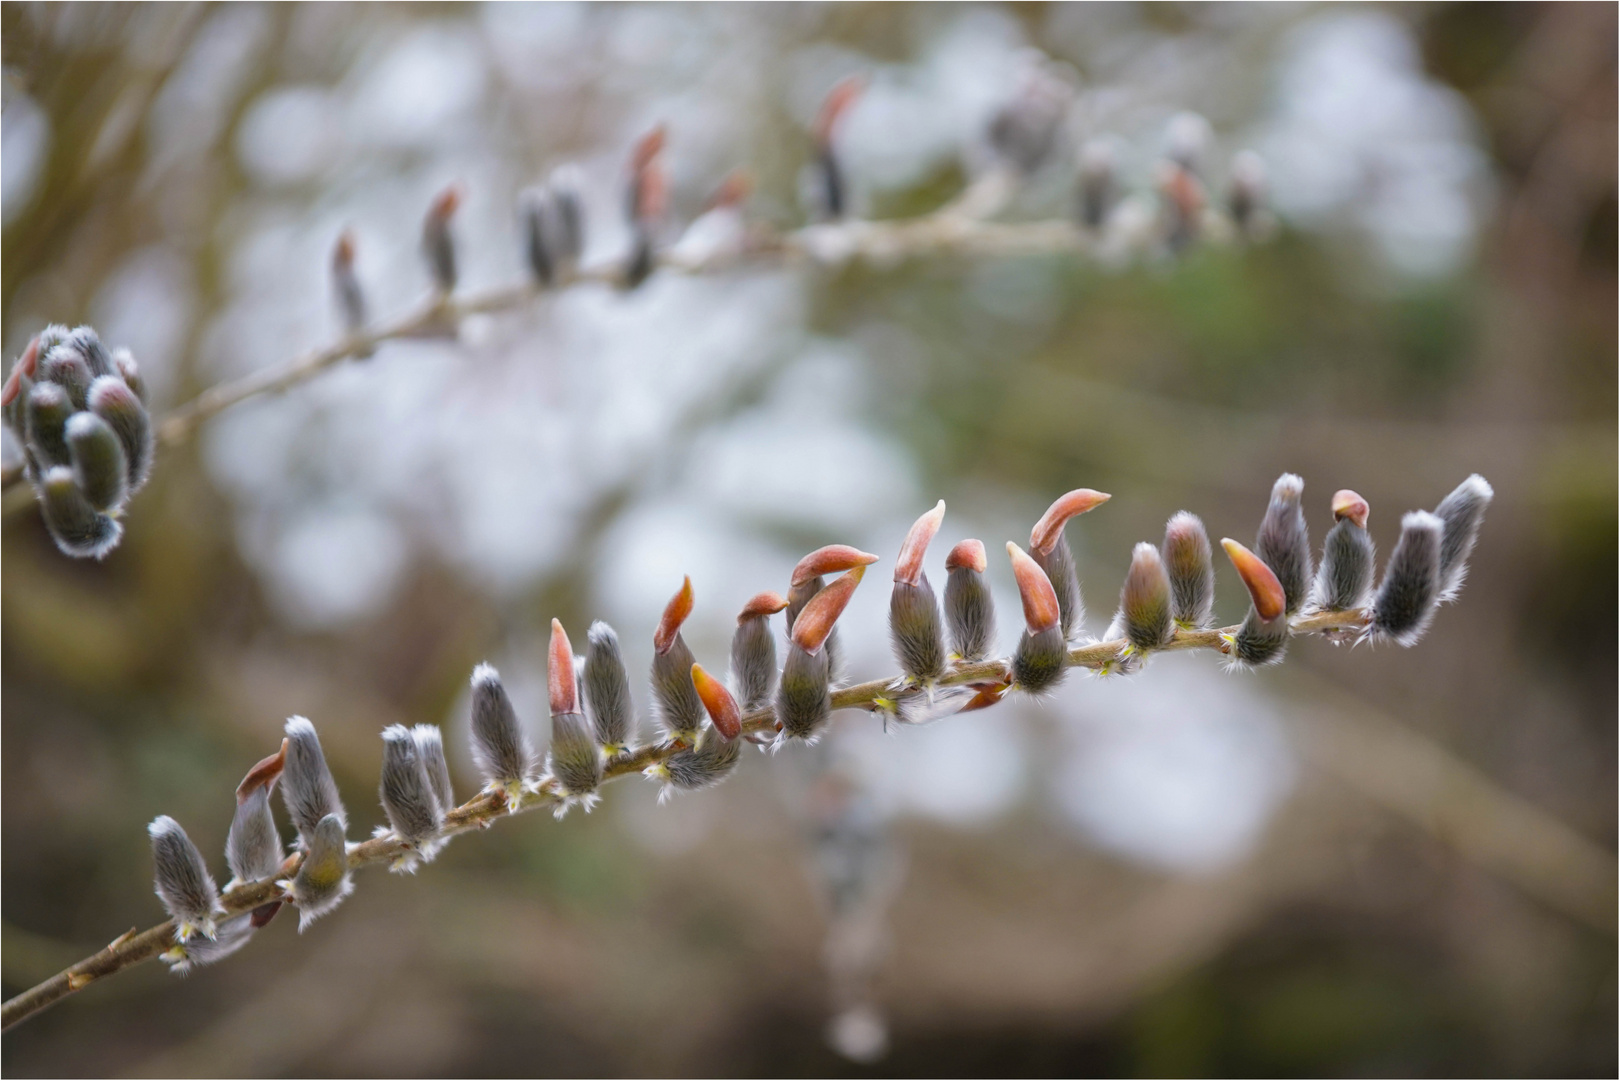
x: 721, y: 706
x: 343, y: 253
x: 647, y: 148
x: 1348, y: 504
x: 263, y: 774
x: 908, y: 567
x: 832, y: 559
x: 838, y: 102
x: 1263, y: 587
x: 989, y: 695
x: 1181, y: 187
x: 559, y: 675
x: 651, y: 184
x: 1040, y: 610
x: 25, y: 365
x: 263, y: 914
x: 674, y: 616
x: 968, y: 553
x: 444, y: 205
x: 766, y: 603
x: 814, y: 624
x: 733, y: 190
x: 1048, y: 530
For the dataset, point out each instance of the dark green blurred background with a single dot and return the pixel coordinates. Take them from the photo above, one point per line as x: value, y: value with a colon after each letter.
x: 1420, y: 880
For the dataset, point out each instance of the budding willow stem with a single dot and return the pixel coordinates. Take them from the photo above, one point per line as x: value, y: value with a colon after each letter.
x: 483, y: 810
x: 956, y: 229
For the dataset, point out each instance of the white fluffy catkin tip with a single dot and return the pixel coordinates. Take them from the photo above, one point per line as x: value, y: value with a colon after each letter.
x: 307, y: 787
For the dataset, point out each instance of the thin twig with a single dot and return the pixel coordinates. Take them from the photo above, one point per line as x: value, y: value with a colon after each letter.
x: 483, y: 810
x: 954, y: 230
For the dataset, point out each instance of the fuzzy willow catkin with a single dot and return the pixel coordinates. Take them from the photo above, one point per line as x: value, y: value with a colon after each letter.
x: 182, y: 880
x: 606, y: 686
x: 1283, y: 542
x: 307, y: 786
x: 500, y: 746
x: 1411, y: 586
x: 969, y: 608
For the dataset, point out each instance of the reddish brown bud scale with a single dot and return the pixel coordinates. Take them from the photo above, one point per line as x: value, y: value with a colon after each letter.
x: 560, y: 680
x: 837, y: 104
x: 908, y: 566
x: 986, y: 696
x: 1048, y: 530
x: 832, y: 559
x: 263, y: 774
x: 648, y: 147
x: 443, y: 207
x: 25, y: 365
x: 969, y: 554
x: 1348, y: 504
x: 649, y: 186
x: 721, y: 706
x: 343, y: 253
x: 674, y: 616
x: 814, y: 624
x: 1262, y: 584
x: 1040, y: 610
x: 763, y: 604
x: 733, y: 190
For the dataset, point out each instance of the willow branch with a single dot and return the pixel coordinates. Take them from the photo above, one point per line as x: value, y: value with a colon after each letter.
x: 484, y: 810
x: 957, y: 229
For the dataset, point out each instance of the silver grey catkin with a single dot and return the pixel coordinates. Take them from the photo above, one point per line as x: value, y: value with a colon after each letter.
x: 307, y: 787
x: 130, y: 372
x: 182, y: 881
x: 430, y: 745
x: 77, y: 527
x: 753, y: 661
x: 1144, y: 601
x: 1348, y: 566
x: 407, y: 794
x: 65, y: 366
x: 87, y: 343
x: 1462, y: 511
x: 253, y: 848
x: 575, y: 760
x: 1189, y: 559
x: 499, y: 744
x: 45, y: 418
x: 916, y: 630
x: 704, y: 765
x: 322, y: 881
x: 1041, y: 660
x: 680, y: 711
x: 1409, y: 592
x: 606, y: 691
x: 99, y: 467
x: 1260, y: 640
x: 1284, y: 540
x: 969, y: 608
x: 804, y: 695
x: 231, y: 935
x: 116, y: 402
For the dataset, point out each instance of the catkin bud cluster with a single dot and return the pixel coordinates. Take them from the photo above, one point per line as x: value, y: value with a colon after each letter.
x: 79, y: 412
x: 1166, y: 602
